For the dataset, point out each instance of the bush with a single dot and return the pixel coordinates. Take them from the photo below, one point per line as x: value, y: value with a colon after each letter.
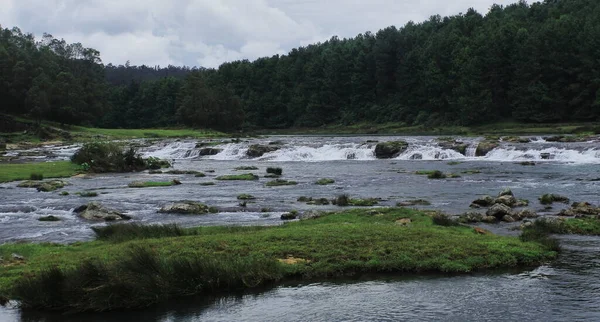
x: 109, y: 157
x: 36, y: 176
x: 275, y: 171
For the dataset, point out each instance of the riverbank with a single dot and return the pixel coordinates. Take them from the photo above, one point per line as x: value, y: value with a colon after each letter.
x: 24, y: 171
x: 205, y: 259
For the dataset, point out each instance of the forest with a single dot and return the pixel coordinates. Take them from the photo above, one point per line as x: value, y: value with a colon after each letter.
x: 523, y: 62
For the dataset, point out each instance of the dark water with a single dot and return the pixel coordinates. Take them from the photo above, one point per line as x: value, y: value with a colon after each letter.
x: 565, y: 290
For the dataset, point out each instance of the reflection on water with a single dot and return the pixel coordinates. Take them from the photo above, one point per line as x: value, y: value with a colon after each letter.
x: 567, y: 289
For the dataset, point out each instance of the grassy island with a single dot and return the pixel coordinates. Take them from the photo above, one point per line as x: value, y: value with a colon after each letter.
x: 129, y: 268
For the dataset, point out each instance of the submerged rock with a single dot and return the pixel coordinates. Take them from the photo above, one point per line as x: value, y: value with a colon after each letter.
x: 390, y: 149
x: 484, y: 201
x: 257, y: 150
x: 289, y: 216
x: 209, y: 151
x: 95, y: 211
x: 44, y: 186
x: 499, y: 211
x: 185, y: 207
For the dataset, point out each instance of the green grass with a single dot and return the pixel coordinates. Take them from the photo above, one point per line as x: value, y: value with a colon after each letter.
x: 87, y: 132
x: 245, y: 196
x: 576, y: 226
x: 246, y: 168
x: 232, y: 177
x: 139, y: 272
x: 22, y: 171
x: 151, y: 184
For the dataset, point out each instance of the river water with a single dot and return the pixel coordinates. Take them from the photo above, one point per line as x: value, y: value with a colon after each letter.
x: 565, y: 290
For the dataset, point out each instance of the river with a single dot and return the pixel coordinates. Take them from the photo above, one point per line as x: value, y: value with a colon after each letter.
x: 567, y: 289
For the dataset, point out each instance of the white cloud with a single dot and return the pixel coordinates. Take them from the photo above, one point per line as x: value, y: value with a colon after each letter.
x: 210, y: 32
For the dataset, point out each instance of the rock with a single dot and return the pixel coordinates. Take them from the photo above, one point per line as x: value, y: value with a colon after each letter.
x: 17, y: 257
x: 521, y: 203
x: 489, y: 219
x: 526, y: 224
x: 470, y: 217
x: 311, y: 214
x: 548, y: 199
x: 484, y: 201
x: 506, y: 192
x: 508, y: 200
x: 289, y: 216
x: 95, y: 211
x: 499, y: 211
x: 484, y: 147
x: 176, y: 182
x: 526, y: 213
x: 455, y: 145
x: 185, y: 207
x: 581, y: 209
x: 44, y: 186
x: 545, y: 156
x: 508, y: 218
x: 390, y: 149
x: 516, y: 139
x: 404, y: 221
x: 209, y: 151
x: 567, y: 213
x: 416, y: 156
x: 257, y: 150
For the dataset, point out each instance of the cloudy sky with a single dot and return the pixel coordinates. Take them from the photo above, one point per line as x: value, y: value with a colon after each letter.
x: 210, y: 32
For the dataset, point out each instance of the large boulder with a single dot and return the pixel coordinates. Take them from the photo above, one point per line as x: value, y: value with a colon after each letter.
x: 95, y: 211
x: 185, y: 207
x: 257, y: 150
x: 484, y: 147
x: 581, y: 209
x: 390, y: 149
x: 508, y: 200
x: 209, y: 151
x: 525, y: 213
x: 499, y: 211
x: 470, y: 217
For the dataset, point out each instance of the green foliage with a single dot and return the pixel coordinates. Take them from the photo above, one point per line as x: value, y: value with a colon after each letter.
x: 22, y: 171
x: 275, y: 171
x: 436, y: 175
x: 245, y: 197
x: 156, y: 163
x: 124, y: 232
x: 151, y: 184
x: 109, y: 157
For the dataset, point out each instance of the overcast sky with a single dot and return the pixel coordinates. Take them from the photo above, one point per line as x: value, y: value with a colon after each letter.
x: 210, y: 32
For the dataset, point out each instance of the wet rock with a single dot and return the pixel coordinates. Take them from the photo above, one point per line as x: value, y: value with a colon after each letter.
x: 416, y: 156
x: 484, y: 201
x: 506, y: 192
x: 516, y: 139
x: 209, y: 151
x: 95, y: 211
x: 470, y: 217
x: 484, y: 147
x: 185, y: 207
x: 508, y: 218
x: 290, y: 215
x: 545, y: 156
x: 507, y: 200
x: 525, y: 213
x: 521, y: 203
x: 489, y: 219
x: 581, y: 209
x: 257, y: 150
x: 549, y: 198
x: 455, y: 145
x: 499, y: 211
x: 390, y: 149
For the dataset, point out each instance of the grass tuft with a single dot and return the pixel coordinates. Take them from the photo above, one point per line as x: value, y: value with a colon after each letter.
x: 124, y: 232
x: 280, y: 182
x: 324, y: 182
x: 233, y: 177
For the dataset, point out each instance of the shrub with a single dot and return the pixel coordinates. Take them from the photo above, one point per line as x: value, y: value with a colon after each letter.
x: 156, y: 163
x: 109, y: 157
x: 36, y: 176
x: 275, y: 171
x: 437, y: 174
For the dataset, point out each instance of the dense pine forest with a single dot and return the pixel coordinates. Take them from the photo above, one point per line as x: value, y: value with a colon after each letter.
x: 535, y: 62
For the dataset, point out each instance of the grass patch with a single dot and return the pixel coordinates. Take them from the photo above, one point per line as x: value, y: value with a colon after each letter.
x: 23, y: 171
x: 275, y: 171
x: 576, y: 226
x: 245, y: 197
x: 437, y: 174
x: 196, y: 173
x: 140, y: 269
x: 324, y: 182
x: 36, y: 176
x: 232, y: 177
x: 88, y: 194
x: 124, y: 232
x: 152, y: 184
x: 280, y: 182
x: 83, y: 133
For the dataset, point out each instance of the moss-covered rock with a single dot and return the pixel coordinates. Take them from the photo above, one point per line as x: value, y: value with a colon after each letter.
x: 484, y: 147
x: 95, y: 211
x: 390, y: 149
x: 548, y: 199
x: 44, y: 186
x: 257, y: 150
x: 451, y: 144
x: 280, y: 182
x: 209, y: 151
x: 325, y: 181
x: 185, y: 207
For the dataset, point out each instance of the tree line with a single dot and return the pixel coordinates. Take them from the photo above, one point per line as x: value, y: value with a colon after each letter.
x: 526, y: 62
